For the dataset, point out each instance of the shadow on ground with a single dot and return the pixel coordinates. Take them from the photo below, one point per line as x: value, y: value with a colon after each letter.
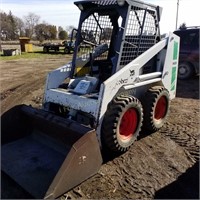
x: 188, y: 88
x: 185, y: 187
x: 61, y: 52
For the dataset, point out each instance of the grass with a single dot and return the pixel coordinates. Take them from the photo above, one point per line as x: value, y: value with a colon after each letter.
x: 37, y: 53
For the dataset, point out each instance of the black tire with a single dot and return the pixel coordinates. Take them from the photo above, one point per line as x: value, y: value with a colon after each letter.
x: 67, y: 50
x: 45, y: 49
x: 156, y: 108
x: 185, y: 70
x: 118, y: 134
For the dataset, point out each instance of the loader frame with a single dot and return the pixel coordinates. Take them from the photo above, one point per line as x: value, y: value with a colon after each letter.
x: 140, y: 60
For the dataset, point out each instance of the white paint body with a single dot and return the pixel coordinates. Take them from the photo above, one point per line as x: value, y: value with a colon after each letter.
x: 96, y: 104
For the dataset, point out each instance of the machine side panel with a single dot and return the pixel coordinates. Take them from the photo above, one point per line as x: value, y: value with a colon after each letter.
x: 170, y: 70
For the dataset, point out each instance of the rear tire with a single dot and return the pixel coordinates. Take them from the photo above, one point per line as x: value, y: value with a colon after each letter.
x: 185, y: 70
x: 122, y: 123
x: 156, y: 108
x: 46, y: 50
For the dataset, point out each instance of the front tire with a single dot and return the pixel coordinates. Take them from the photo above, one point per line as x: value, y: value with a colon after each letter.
x: 67, y: 50
x: 122, y: 123
x: 156, y: 108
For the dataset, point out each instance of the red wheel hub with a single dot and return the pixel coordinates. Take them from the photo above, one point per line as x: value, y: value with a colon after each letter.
x: 161, y: 108
x: 128, y: 124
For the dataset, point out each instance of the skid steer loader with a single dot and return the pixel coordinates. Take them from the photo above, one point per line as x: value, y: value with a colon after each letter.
x: 121, y: 79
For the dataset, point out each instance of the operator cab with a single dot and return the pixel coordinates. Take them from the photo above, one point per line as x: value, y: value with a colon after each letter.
x: 96, y: 41
x: 110, y: 35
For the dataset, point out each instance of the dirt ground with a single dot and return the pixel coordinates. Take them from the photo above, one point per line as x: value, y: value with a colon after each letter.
x: 162, y: 165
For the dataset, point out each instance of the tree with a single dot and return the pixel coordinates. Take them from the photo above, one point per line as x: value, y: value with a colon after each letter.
x: 9, y: 29
x: 63, y: 35
x: 13, y: 26
x: 52, y: 32
x: 45, y: 31
x: 106, y: 34
x: 40, y: 32
x: 4, y: 26
x: 31, y: 20
x: 20, y: 26
x: 60, y: 28
x: 69, y: 29
x: 183, y: 26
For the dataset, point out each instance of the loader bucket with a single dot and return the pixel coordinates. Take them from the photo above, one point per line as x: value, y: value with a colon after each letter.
x: 46, y: 154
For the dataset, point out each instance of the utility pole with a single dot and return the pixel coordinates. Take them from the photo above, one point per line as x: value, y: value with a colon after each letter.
x: 177, y: 14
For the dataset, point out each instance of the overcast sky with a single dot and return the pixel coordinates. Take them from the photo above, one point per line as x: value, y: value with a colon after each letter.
x: 64, y: 12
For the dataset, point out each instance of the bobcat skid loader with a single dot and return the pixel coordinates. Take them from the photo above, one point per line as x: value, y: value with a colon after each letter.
x: 121, y: 79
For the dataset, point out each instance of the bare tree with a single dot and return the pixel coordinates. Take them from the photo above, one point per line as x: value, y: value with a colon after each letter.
x: 60, y: 28
x: 31, y: 20
x: 20, y: 26
x: 69, y: 29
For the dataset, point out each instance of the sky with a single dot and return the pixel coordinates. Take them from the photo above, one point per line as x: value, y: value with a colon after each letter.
x: 64, y: 13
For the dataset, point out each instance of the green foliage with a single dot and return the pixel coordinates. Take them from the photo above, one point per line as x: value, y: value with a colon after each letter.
x: 52, y: 31
x: 45, y: 32
x: 9, y: 28
x: 63, y: 35
x: 24, y: 55
x: 37, y: 53
x: 12, y: 27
